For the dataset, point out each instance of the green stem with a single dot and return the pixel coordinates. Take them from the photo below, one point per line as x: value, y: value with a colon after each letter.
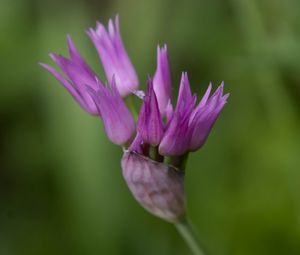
x: 186, y: 231
x: 178, y: 162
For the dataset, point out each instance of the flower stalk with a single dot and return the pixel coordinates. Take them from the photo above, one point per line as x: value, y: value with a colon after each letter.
x: 188, y: 234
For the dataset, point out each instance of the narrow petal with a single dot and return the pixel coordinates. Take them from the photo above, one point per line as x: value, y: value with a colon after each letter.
x: 75, y: 72
x: 136, y: 145
x: 162, y: 79
x: 150, y: 123
x: 185, y: 94
x: 76, y: 57
x: 72, y: 90
x: 206, y: 96
x: 176, y: 139
x: 205, y: 118
x: 117, y: 120
x: 202, y: 102
x: 169, y: 111
x: 79, y: 77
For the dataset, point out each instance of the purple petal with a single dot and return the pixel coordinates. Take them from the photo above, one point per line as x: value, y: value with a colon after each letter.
x: 136, y: 145
x: 79, y: 78
x: 117, y: 120
x: 202, y: 101
x: 169, y: 111
x: 79, y: 75
x: 76, y: 58
x: 206, y: 96
x: 162, y: 79
x: 205, y: 118
x: 178, y: 132
x: 176, y: 139
x: 91, y: 108
x: 185, y: 94
x: 150, y: 123
x: 114, y: 57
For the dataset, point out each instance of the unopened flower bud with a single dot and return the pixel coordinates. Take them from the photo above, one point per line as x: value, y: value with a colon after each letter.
x: 158, y: 187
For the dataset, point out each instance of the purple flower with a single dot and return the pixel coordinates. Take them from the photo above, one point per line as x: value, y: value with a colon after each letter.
x: 78, y: 76
x: 114, y: 57
x: 153, y: 162
x: 117, y: 120
x: 150, y: 124
x: 162, y: 79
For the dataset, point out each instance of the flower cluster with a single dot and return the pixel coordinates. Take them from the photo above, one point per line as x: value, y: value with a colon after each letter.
x: 156, y: 144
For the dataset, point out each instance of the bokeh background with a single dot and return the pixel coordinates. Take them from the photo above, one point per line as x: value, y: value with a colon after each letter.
x: 61, y: 189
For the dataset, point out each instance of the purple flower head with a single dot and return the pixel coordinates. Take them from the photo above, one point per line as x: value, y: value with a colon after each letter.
x: 117, y: 120
x: 114, y: 57
x: 150, y: 124
x: 78, y: 75
x: 153, y: 162
x: 162, y: 79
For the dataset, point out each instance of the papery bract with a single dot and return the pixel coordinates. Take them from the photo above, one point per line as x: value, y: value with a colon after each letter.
x: 156, y: 186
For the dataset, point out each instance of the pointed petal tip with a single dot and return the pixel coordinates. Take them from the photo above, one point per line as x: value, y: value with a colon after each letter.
x: 149, y: 85
x: 70, y: 42
x: 100, y: 29
x: 73, y: 53
x: 111, y: 27
x: 42, y: 64
x: 163, y: 48
x: 69, y: 38
x: 89, y: 31
x: 184, y: 75
x: 54, y: 57
x: 47, y: 67
x: 149, y: 79
x: 225, y: 97
x: 98, y: 23
x: 117, y: 19
x: 221, y: 86
x: 209, y: 86
x: 219, y: 90
x: 184, y: 78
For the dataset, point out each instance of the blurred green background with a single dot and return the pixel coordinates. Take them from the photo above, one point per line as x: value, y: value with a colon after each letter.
x: 61, y: 188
